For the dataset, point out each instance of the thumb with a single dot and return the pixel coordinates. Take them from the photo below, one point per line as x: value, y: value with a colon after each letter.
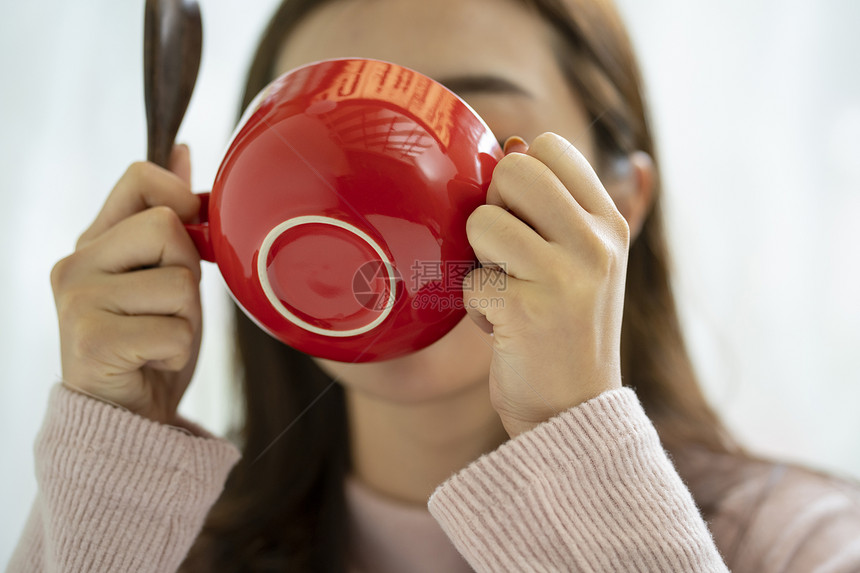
x: 480, y: 320
x: 515, y: 144
x: 180, y: 162
x: 483, y: 290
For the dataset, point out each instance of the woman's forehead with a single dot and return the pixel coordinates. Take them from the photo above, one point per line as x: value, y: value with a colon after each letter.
x: 496, y: 48
x: 440, y: 38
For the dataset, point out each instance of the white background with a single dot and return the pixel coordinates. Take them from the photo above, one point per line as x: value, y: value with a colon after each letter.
x: 757, y: 108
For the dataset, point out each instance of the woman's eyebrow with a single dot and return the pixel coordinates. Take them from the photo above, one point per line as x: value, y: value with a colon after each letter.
x: 462, y: 85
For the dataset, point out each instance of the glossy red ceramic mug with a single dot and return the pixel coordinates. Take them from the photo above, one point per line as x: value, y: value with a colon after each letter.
x: 338, y: 215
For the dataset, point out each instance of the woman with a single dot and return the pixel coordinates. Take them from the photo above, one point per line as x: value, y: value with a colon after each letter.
x: 339, y: 459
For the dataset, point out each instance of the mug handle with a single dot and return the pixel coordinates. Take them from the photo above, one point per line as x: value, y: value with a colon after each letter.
x: 199, y: 230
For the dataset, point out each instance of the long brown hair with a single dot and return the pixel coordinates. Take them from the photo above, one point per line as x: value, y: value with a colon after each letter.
x: 285, y: 510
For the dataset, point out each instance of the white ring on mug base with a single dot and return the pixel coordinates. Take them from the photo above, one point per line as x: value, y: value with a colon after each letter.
x: 263, y: 275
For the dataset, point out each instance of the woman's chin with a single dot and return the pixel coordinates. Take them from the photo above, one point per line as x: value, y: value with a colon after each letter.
x: 456, y: 363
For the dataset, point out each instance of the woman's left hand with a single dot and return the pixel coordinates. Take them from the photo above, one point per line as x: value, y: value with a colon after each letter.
x: 555, y: 306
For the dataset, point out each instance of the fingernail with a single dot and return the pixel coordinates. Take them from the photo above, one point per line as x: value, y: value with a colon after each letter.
x: 515, y: 144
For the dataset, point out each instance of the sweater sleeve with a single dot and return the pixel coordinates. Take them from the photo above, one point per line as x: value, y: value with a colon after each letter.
x: 117, y: 492
x: 589, y: 490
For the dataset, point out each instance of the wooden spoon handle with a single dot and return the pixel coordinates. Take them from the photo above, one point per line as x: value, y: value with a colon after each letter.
x: 173, y: 40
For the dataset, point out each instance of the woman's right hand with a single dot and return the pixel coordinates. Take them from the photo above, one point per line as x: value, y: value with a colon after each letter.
x: 128, y: 298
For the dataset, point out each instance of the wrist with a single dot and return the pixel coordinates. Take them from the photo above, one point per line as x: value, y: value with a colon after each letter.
x: 516, y: 422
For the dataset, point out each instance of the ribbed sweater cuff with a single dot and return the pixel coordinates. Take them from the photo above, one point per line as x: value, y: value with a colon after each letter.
x: 113, y: 479
x: 589, y: 490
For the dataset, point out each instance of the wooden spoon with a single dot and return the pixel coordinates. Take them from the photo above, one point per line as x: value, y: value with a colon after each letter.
x: 173, y: 40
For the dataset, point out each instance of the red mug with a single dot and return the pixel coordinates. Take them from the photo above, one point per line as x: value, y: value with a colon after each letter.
x: 338, y: 214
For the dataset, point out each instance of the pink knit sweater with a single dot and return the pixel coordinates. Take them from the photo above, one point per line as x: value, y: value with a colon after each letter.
x: 589, y: 490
